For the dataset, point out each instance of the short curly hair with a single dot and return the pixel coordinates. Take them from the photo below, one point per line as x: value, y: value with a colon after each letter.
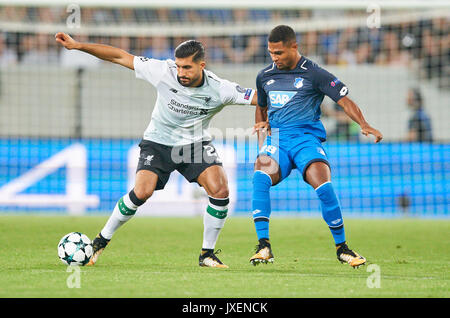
x: 282, y: 33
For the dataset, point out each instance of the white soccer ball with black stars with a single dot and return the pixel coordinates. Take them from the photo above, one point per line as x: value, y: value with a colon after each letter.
x: 75, y: 248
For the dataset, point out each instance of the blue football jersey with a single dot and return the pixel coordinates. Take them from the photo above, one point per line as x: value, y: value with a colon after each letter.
x: 294, y: 96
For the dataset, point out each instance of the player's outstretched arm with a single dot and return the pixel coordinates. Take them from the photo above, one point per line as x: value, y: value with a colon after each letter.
x: 104, y: 52
x: 354, y: 112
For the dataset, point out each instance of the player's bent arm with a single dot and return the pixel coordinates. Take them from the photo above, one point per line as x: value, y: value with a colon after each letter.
x: 355, y: 113
x: 261, y: 127
x: 255, y: 99
x: 260, y: 114
x: 104, y: 52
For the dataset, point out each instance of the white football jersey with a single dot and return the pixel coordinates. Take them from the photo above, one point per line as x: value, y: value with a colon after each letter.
x: 182, y: 114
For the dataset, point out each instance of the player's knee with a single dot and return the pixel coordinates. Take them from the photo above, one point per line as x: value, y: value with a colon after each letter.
x: 143, y: 193
x: 317, y: 173
x: 220, y: 192
x: 263, y: 162
x: 268, y: 166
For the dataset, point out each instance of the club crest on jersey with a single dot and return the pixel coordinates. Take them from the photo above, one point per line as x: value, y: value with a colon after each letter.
x: 148, y: 160
x: 298, y: 82
x: 280, y: 98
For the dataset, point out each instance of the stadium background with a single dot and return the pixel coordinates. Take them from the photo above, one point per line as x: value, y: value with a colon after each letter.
x: 70, y: 124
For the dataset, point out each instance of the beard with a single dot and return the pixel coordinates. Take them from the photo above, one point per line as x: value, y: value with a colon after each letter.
x: 188, y: 81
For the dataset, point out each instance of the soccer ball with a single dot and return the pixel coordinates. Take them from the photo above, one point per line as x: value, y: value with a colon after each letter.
x: 75, y: 248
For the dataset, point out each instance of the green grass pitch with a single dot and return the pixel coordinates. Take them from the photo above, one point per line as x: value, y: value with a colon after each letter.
x: 158, y: 257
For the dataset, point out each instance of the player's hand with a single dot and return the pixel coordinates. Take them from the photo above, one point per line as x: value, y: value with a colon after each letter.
x: 368, y: 130
x: 262, y: 126
x: 66, y: 40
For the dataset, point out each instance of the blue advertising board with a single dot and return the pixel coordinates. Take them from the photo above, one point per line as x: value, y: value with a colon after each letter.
x: 90, y: 175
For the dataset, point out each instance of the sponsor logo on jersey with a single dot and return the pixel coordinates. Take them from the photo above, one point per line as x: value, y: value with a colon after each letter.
x: 335, y: 82
x: 344, y: 91
x: 280, y: 98
x: 248, y: 92
x: 298, y: 82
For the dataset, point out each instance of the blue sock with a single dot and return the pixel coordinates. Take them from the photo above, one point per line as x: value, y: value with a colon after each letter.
x: 261, y: 203
x: 331, y: 211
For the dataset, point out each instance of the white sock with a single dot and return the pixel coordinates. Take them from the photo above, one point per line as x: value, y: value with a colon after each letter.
x: 123, y: 211
x: 212, y: 226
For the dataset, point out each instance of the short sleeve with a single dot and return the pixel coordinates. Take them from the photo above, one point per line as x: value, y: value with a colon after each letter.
x: 262, y: 96
x: 330, y: 85
x: 233, y: 94
x: 150, y: 70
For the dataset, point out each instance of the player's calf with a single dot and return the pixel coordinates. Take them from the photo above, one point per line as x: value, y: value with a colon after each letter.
x: 124, y: 210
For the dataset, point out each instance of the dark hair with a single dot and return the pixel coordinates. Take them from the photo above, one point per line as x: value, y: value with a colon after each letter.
x: 282, y: 33
x: 189, y: 48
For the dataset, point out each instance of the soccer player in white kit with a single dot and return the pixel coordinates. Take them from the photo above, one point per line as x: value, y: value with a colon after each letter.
x: 176, y: 138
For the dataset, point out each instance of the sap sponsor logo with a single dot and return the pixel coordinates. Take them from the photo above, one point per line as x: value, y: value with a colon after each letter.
x: 298, y: 82
x: 280, y: 98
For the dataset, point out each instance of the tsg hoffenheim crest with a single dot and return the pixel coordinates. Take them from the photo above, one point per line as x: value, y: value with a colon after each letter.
x: 298, y: 82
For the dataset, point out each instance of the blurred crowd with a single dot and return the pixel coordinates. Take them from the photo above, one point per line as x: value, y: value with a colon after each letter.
x: 424, y: 44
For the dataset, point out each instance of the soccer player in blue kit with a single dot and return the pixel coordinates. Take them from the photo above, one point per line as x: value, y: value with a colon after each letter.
x: 290, y: 92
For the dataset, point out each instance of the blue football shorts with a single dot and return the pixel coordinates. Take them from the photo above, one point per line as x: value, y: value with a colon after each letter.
x: 293, y: 151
